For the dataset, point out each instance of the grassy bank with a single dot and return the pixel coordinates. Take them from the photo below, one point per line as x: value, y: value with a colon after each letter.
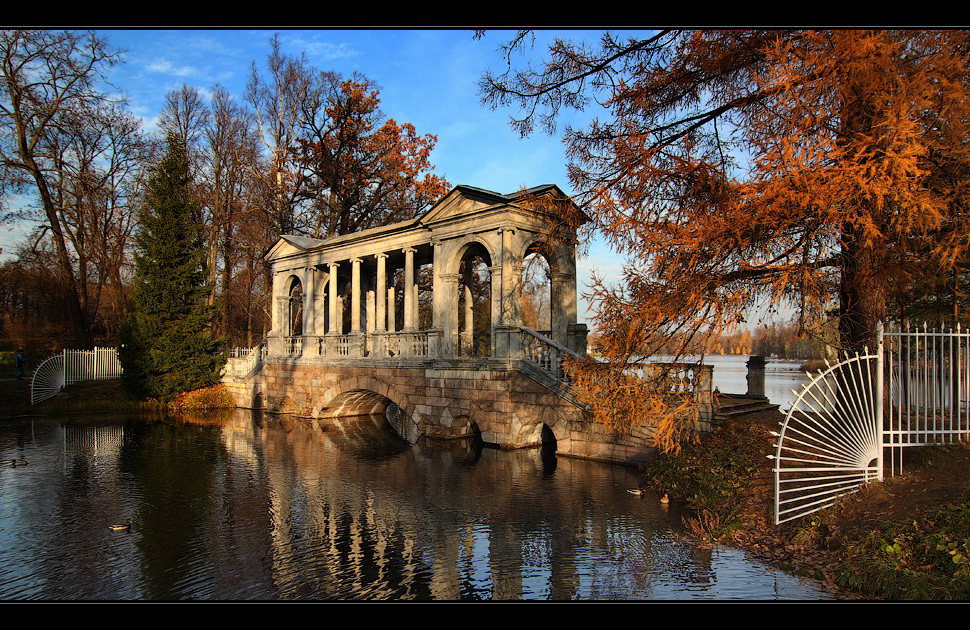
x: 907, y: 538
x: 103, y: 397
x: 83, y: 397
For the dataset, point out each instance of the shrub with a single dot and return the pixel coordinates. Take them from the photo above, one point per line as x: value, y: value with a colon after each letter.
x: 205, y: 399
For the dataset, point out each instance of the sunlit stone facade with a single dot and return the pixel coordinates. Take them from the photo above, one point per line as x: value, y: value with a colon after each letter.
x: 423, y: 321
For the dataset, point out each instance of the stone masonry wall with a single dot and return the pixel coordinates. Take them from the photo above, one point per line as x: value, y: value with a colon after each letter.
x: 507, y: 407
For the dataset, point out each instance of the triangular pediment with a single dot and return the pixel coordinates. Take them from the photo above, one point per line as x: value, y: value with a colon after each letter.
x: 464, y: 207
x: 462, y: 201
x: 290, y: 245
x: 465, y: 201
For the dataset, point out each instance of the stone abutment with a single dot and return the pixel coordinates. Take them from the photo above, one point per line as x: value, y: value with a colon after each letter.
x: 505, y: 403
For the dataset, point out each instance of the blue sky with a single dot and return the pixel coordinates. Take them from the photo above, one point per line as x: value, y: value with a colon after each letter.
x: 426, y: 77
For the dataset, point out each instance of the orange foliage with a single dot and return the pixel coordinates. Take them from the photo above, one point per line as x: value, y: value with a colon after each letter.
x: 363, y: 170
x: 816, y: 169
x: 622, y: 400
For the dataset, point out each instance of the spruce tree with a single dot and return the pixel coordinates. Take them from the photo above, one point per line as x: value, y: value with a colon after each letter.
x: 167, y: 347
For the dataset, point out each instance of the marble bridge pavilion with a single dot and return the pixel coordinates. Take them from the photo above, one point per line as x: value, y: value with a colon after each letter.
x: 422, y: 321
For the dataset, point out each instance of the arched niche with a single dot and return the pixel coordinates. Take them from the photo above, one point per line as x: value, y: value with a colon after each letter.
x: 294, y: 307
x: 474, y: 301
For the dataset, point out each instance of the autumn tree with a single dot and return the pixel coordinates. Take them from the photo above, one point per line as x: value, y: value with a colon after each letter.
x: 363, y: 169
x: 335, y: 164
x: 822, y: 169
x: 814, y: 167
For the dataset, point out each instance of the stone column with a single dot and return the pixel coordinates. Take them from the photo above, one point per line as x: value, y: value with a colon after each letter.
x: 310, y: 346
x: 436, y: 344
x: 409, y: 289
x: 334, y: 328
x: 495, y: 310
x: 381, y: 321
x: 309, y: 295
x: 558, y: 313
x: 449, y: 314
x: 282, y: 325
x: 355, y: 296
x: 505, y: 298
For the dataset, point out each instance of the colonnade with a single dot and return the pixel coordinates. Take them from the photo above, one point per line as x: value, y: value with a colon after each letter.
x: 316, y: 281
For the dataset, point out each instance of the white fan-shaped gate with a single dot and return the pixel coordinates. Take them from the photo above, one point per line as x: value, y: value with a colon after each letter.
x: 48, y: 379
x: 71, y: 366
x: 830, y: 443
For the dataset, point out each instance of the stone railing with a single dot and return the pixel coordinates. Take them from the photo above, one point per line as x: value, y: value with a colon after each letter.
x: 243, y: 362
x: 545, y: 353
x: 680, y: 378
x: 293, y: 346
x: 405, y: 343
x: 473, y: 344
x: 332, y: 346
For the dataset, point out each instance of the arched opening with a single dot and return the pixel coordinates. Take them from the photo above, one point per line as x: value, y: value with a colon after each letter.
x: 548, y: 451
x: 536, y: 291
x: 474, y: 304
x: 367, y: 423
x: 425, y: 300
x: 548, y: 439
x: 294, y: 309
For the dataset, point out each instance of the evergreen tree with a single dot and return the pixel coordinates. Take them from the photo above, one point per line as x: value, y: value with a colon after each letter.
x: 167, y: 347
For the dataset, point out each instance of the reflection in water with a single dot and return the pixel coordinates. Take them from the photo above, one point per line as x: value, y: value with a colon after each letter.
x: 263, y: 507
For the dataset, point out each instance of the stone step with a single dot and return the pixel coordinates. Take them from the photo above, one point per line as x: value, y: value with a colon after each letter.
x: 727, y: 406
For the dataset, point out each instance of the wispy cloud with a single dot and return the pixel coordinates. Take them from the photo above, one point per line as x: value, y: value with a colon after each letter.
x: 164, y: 66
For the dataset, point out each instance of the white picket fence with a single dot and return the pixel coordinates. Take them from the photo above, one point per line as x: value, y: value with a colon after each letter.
x: 71, y: 366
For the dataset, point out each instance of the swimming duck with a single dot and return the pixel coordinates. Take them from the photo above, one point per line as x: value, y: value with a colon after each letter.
x: 121, y: 528
x: 18, y: 462
x: 636, y: 491
x: 664, y: 499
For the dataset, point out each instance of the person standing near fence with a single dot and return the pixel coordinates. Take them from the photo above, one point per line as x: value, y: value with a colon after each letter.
x: 20, y: 363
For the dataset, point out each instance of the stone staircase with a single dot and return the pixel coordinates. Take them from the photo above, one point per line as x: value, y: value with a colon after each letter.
x: 739, y: 406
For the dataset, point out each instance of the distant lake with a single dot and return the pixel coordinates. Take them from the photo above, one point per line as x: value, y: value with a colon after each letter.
x: 781, y: 377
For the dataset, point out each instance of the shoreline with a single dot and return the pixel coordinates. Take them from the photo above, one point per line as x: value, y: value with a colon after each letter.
x: 843, y: 548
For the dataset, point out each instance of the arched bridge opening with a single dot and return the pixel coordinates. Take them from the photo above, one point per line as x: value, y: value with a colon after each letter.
x: 357, y: 422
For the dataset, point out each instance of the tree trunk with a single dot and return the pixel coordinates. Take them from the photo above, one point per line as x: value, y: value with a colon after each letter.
x: 77, y: 314
x: 862, y: 294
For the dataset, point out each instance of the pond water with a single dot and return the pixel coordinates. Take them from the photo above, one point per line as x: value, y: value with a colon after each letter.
x: 258, y: 507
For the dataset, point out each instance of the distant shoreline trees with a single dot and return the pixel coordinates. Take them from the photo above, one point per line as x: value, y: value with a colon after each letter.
x: 780, y: 340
